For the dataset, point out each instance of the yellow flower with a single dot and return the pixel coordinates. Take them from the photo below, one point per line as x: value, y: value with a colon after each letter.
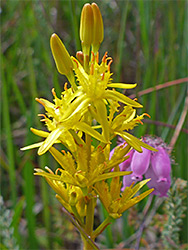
x: 93, y: 92
x: 116, y: 202
x: 62, y: 128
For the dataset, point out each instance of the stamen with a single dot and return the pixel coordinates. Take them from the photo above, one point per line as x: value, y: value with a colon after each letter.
x: 92, y: 69
x: 102, y: 78
x: 76, y: 62
x: 140, y: 122
x: 53, y: 93
x: 63, y: 151
x: 65, y: 86
x: 49, y: 170
x: 58, y: 169
x: 135, y: 99
x: 41, y: 102
x: 147, y: 115
x: 100, y: 148
x: 42, y: 115
x: 110, y: 62
x: 104, y: 57
x: 97, y: 57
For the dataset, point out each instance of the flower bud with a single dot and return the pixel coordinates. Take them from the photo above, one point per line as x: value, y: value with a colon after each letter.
x: 61, y: 56
x: 98, y: 30
x: 161, y: 164
x: 86, y: 26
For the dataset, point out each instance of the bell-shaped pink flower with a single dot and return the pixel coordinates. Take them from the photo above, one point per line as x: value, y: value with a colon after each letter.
x: 160, y: 188
x: 140, y: 163
x: 161, y: 166
x: 126, y: 164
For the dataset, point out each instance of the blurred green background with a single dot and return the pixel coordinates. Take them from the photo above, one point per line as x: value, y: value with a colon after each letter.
x: 148, y: 43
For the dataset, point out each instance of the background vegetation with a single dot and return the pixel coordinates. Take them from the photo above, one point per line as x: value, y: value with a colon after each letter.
x: 148, y: 42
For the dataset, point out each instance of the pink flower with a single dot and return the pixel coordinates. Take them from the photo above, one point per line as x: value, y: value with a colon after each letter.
x: 140, y: 163
x: 161, y: 188
x: 161, y: 166
x: 152, y: 165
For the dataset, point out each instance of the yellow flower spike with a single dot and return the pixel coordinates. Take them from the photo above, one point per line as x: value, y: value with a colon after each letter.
x: 62, y: 59
x: 98, y: 30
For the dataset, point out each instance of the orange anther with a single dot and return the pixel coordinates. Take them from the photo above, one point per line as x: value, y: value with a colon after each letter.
x: 53, y: 92
x: 135, y: 99
x: 104, y: 57
x: 97, y: 57
x: 140, y: 121
x: 102, y: 78
x: 41, y: 102
x: 100, y: 147
x: 76, y: 62
x: 92, y: 69
x: 58, y: 169
x: 65, y: 86
x: 93, y: 56
x: 147, y: 115
x: 63, y: 151
x: 42, y: 115
x: 110, y: 62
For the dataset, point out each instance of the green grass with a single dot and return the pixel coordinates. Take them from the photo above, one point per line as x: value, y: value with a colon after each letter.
x: 148, y: 42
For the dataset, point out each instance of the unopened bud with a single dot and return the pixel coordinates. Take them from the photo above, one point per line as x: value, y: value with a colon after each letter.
x: 98, y: 30
x: 61, y: 56
x: 86, y: 25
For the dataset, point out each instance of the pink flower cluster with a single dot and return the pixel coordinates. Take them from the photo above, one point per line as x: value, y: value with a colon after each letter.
x: 154, y: 165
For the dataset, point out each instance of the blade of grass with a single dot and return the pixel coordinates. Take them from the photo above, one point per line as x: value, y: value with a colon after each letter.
x: 173, y: 114
x: 120, y: 43
x: 75, y: 21
x: 9, y: 139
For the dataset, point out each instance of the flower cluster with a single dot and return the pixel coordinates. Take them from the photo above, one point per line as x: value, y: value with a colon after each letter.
x: 86, y: 111
x: 153, y: 165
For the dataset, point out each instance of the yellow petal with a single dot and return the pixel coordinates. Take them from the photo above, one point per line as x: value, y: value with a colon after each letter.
x: 50, y: 140
x: 35, y: 145
x: 110, y: 175
x: 114, y: 95
x: 39, y: 132
x: 88, y: 130
x: 122, y: 85
x: 135, y: 200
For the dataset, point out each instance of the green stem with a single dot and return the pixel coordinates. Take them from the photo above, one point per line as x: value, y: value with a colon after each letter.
x: 88, y: 144
x: 101, y: 228
x: 90, y: 216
